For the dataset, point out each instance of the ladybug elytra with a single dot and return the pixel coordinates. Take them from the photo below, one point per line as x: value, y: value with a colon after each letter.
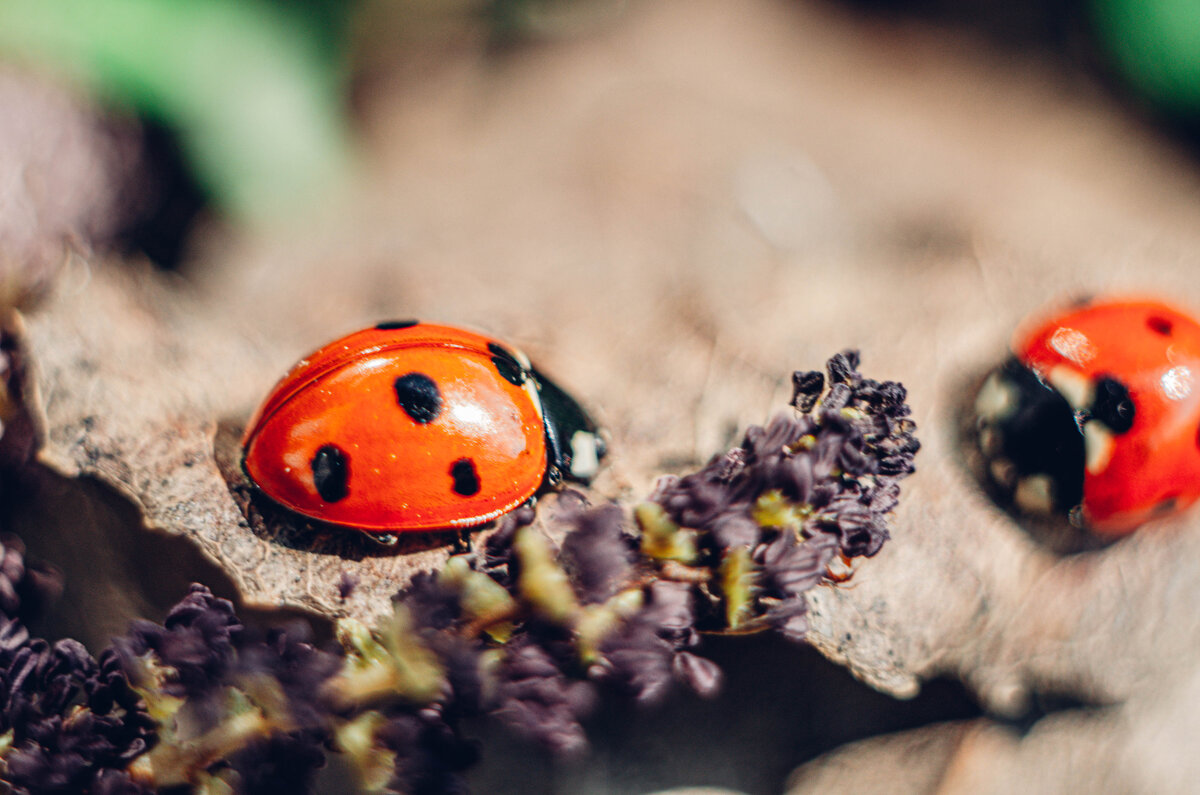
x: 1097, y: 415
x: 412, y: 426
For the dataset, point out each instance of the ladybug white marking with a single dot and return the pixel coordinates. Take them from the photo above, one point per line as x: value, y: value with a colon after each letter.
x: 989, y: 441
x: 1098, y: 446
x: 1003, y: 472
x: 1076, y: 388
x: 1035, y: 494
x: 585, y: 455
x: 996, y: 399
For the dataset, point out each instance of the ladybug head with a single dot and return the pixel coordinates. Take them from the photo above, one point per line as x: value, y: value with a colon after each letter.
x: 1040, y: 438
x: 1032, y: 446
x: 574, y: 446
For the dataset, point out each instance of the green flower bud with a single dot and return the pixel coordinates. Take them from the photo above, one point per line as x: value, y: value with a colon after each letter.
x: 662, y: 539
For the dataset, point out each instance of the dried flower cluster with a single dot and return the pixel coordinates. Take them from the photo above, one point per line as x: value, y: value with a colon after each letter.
x: 769, y: 517
x: 69, y: 722
x: 520, y: 630
x: 231, y: 704
x: 537, y: 634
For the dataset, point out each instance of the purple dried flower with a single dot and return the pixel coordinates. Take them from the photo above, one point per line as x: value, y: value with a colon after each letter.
x: 204, y: 655
x: 12, y: 572
x: 701, y: 675
x: 196, y: 640
x: 696, y: 500
x: 25, y: 586
x: 643, y: 657
x: 499, y: 559
x: 74, y: 721
x: 539, y: 700
x: 597, y: 553
x: 437, y: 612
x: 734, y: 529
x: 462, y: 666
x: 116, y: 782
x: 791, y: 568
x: 829, y: 475
x: 280, y: 762
x: 430, y: 755
x: 838, y: 398
x: 288, y: 658
x: 806, y: 389
x: 639, y: 662
x: 432, y: 605
x: 669, y: 607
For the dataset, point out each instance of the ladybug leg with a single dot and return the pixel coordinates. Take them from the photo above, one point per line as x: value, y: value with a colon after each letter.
x: 387, y: 540
x: 462, y: 542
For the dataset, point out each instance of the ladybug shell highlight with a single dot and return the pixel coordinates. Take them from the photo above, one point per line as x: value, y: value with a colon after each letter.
x: 406, y: 426
x: 1098, y: 415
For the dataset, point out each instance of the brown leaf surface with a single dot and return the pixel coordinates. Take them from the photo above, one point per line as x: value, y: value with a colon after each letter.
x: 670, y: 216
x: 1144, y: 745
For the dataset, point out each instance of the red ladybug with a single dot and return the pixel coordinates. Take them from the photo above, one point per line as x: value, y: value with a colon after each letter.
x: 413, y: 426
x: 1098, y: 415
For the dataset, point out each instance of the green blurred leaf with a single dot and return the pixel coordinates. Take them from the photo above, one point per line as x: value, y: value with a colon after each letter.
x: 1156, y: 47
x: 253, y: 95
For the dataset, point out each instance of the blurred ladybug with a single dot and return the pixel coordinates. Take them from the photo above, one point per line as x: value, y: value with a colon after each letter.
x: 1097, y: 415
x: 413, y: 426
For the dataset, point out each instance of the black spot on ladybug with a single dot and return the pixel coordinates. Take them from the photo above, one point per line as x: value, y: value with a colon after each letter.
x: 331, y: 473
x: 466, y: 479
x: 1112, y: 405
x: 393, y: 325
x: 419, y: 396
x: 507, y: 365
x: 1160, y: 325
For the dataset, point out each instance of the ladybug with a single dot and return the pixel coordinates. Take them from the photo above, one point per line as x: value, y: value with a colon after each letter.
x: 412, y: 426
x: 1097, y: 414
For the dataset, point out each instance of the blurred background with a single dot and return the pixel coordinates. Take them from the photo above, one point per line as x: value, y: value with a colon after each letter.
x: 180, y: 116
x: 671, y: 205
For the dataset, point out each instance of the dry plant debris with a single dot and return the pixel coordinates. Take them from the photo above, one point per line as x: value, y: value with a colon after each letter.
x: 532, y: 635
